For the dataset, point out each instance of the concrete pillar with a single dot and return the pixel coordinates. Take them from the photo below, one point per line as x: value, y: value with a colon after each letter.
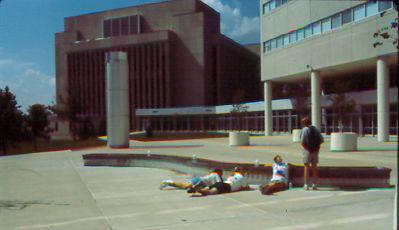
x: 315, y: 95
x: 360, y: 116
x: 117, y: 99
x: 382, y: 100
x: 289, y: 121
x: 268, y: 108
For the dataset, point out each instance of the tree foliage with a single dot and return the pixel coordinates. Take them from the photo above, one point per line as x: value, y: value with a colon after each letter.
x: 341, y: 105
x: 70, y: 112
x: 38, y: 122
x: 239, y: 110
x: 11, y: 120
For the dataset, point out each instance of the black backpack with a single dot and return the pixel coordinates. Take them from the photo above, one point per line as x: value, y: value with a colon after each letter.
x: 313, y: 140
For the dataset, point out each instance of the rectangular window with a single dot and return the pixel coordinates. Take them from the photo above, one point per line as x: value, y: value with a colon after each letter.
x: 280, y: 42
x: 125, y: 26
x: 278, y: 3
x: 133, y: 24
x: 300, y: 34
x: 273, y: 43
x: 266, y: 8
x: 335, y: 21
x: 384, y: 5
x: 272, y: 5
x: 286, y: 39
x: 371, y: 8
x: 116, y: 27
x: 293, y: 37
x: 268, y: 45
x: 284, y: 1
x: 317, y: 27
x: 326, y: 25
x: 346, y: 16
x: 264, y: 47
x: 308, y: 31
x: 107, y: 28
x: 359, y: 13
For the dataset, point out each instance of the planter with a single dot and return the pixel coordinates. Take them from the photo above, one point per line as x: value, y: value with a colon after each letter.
x: 343, y: 141
x: 296, y: 135
x: 238, y: 139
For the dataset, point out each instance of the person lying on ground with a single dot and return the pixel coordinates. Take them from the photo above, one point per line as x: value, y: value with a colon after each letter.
x: 279, y: 181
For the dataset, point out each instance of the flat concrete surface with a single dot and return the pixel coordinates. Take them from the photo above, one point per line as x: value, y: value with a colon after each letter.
x: 55, y: 191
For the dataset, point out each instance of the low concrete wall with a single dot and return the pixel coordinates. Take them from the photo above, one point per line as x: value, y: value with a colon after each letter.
x: 360, y: 177
x: 343, y: 141
x: 238, y: 139
x: 296, y: 135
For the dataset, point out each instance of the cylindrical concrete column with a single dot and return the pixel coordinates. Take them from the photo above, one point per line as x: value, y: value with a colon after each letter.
x: 382, y: 100
x: 117, y: 99
x: 268, y: 108
x: 315, y: 97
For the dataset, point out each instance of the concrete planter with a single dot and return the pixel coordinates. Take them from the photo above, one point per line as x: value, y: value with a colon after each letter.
x: 238, y: 139
x: 296, y: 135
x: 343, y: 141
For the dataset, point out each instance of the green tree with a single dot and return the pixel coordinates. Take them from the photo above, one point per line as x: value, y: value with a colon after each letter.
x: 38, y: 122
x: 341, y: 105
x: 70, y: 112
x: 10, y: 120
x: 239, y: 110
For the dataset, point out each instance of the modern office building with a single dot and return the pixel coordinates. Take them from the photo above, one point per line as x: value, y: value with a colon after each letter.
x: 177, y: 57
x: 333, y: 41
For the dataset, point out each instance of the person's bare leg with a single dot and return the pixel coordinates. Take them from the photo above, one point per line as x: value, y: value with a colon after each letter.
x: 315, y: 176
x: 182, y: 185
x: 306, y: 176
x: 207, y: 191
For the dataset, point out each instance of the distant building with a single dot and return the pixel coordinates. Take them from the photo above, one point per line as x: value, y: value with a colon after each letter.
x: 177, y: 58
x: 326, y: 41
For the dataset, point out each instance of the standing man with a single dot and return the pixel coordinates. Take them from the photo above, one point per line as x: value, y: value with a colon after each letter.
x: 311, y: 140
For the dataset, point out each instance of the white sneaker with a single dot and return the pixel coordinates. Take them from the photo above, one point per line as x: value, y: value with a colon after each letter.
x: 306, y: 187
x: 165, y: 184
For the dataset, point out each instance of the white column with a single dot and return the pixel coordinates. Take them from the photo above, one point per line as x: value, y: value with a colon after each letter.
x: 268, y: 108
x: 117, y: 99
x: 315, y: 95
x: 382, y: 100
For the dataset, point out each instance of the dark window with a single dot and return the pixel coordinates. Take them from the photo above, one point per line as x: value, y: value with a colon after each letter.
x: 346, y: 16
x: 284, y: 1
x: 278, y: 3
x: 116, y: 27
x: 107, y: 28
x: 134, y: 24
x: 125, y: 26
x: 384, y: 5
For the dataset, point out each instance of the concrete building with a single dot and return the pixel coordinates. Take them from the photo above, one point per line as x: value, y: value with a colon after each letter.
x: 176, y: 55
x: 326, y: 41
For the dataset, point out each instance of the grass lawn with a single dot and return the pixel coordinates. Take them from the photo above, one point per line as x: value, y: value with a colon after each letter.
x: 170, y: 136
x: 48, y: 145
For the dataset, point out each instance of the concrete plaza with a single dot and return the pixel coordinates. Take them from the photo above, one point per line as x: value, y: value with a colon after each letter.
x: 55, y: 191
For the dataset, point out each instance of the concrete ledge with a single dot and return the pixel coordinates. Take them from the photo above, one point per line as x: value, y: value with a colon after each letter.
x: 343, y: 142
x: 354, y: 177
x: 238, y: 139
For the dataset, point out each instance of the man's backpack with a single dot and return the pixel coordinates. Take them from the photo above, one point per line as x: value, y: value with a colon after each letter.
x: 313, y: 140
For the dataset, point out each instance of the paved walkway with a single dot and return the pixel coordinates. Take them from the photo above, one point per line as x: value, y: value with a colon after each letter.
x: 55, y: 191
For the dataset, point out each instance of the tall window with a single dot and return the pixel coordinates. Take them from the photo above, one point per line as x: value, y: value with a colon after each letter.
x: 346, y: 16
x: 122, y: 26
x: 272, y: 5
x: 326, y: 25
x: 308, y: 31
x: 286, y: 39
x: 384, y: 5
x: 273, y: 43
x: 266, y: 8
x: 335, y: 21
x: 317, y: 27
x: 293, y: 37
x: 371, y: 8
x: 300, y: 34
x: 278, y: 3
x: 359, y: 12
x: 280, y: 42
x: 116, y: 27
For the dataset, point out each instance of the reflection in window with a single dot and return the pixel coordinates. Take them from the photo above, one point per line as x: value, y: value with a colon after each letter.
x: 359, y: 13
x: 308, y: 31
x: 346, y: 16
x: 335, y: 21
x: 301, y: 34
x: 326, y: 25
x: 273, y: 43
x: 371, y: 8
x: 272, y: 5
x: 384, y: 5
x: 286, y: 39
x: 317, y: 27
x: 266, y: 8
x: 293, y: 37
x: 279, y: 41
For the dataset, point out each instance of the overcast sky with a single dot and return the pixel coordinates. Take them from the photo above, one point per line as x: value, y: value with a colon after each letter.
x: 27, y: 29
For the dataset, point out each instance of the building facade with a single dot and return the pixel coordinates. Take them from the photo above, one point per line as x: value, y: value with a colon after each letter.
x: 332, y: 41
x: 177, y: 57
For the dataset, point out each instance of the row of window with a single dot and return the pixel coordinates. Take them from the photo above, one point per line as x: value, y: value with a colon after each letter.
x: 122, y: 26
x: 273, y: 4
x: 353, y: 14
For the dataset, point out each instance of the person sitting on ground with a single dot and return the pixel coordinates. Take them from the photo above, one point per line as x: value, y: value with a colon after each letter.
x: 196, y: 183
x: 237, y: 181
x: 279, y: 181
